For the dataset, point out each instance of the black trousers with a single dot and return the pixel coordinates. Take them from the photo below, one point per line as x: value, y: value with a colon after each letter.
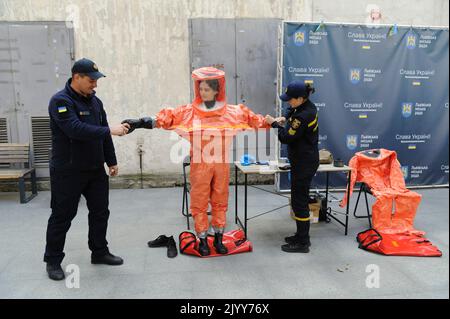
x: 301, y: 177
x: 66, y: 190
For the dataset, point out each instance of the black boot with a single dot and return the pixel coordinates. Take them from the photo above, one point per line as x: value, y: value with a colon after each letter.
x: 203, y: 248
x: 299, y: 243
x: 295, y: 238
x: 295, y: 248
x: 55, y: 272
x: 220, y: 248
x: 108, y: 259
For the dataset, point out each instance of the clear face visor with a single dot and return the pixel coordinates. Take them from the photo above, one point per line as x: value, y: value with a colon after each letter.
x: 209, y: 82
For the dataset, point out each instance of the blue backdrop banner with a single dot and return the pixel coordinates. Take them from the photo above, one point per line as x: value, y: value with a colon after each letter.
x: 376, y: 87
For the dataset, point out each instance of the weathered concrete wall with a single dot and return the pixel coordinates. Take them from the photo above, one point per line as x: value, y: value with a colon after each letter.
x: 143, y: 47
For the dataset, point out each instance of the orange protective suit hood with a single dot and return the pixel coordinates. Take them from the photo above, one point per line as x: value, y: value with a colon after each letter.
x: 209, y: 73
x: 225, y: 119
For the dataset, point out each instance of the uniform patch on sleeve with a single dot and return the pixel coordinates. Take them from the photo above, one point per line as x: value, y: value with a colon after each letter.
x: 292, y: 131
x: 296, y: 124
x: 62, y: 109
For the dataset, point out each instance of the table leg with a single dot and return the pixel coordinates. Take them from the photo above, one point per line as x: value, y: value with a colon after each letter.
x: 326, y: 193
x: 235, y: 194
x: 245, y: 217
x: 348, y: 202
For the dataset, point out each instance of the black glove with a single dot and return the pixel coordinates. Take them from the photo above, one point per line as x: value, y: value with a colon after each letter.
x: 144, y: 122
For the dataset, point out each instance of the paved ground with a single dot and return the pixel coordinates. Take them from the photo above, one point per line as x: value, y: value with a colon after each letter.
x: 335, y: 268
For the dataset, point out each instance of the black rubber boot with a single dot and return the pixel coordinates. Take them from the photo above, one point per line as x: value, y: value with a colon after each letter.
x: 203, y: 248
x: 220, y: 247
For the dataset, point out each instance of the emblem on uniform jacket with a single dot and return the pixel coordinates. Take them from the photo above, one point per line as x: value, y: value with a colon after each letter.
x: 296, y: 124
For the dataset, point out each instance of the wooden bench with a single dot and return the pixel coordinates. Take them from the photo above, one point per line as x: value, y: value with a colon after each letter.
x: 15, y: 164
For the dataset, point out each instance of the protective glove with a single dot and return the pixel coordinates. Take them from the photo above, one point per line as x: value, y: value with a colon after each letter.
x: 144, y: 122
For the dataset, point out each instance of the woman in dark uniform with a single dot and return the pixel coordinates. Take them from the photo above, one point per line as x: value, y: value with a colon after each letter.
x: 301, y: 134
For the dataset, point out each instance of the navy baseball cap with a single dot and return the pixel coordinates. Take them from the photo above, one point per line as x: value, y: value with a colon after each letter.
x: 294, y: 90
x: 87, y: 67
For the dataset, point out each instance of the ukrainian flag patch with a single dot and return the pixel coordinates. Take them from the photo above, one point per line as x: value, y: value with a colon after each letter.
x: 62, y: 109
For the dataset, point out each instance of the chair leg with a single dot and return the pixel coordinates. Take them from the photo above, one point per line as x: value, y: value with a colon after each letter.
x: 187, y: 210
x: 184, y: 191
x: 185, y: 205
x: 368, y: 210
x: 357, y: 201
x: 183, y: 201
x: 368, y: 216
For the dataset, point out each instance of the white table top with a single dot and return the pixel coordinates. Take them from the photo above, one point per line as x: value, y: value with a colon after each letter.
x: 273, y: 169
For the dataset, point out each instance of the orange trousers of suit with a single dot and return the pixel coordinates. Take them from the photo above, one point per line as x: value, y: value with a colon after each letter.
x: 395, y: 211
x: 209, y: 185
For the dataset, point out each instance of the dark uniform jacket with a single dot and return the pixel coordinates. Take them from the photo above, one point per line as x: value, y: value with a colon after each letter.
x: 81, y: 138
x: 301, y: 134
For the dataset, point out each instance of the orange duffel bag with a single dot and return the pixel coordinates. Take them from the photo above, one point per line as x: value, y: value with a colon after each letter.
x: 398, y: 244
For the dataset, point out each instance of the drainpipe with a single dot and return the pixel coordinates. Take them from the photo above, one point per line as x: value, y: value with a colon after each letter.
x: 141, y: 152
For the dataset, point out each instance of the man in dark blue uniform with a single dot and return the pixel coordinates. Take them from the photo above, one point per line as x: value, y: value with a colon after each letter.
x: 81, y: 144
x: 301, y: 134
